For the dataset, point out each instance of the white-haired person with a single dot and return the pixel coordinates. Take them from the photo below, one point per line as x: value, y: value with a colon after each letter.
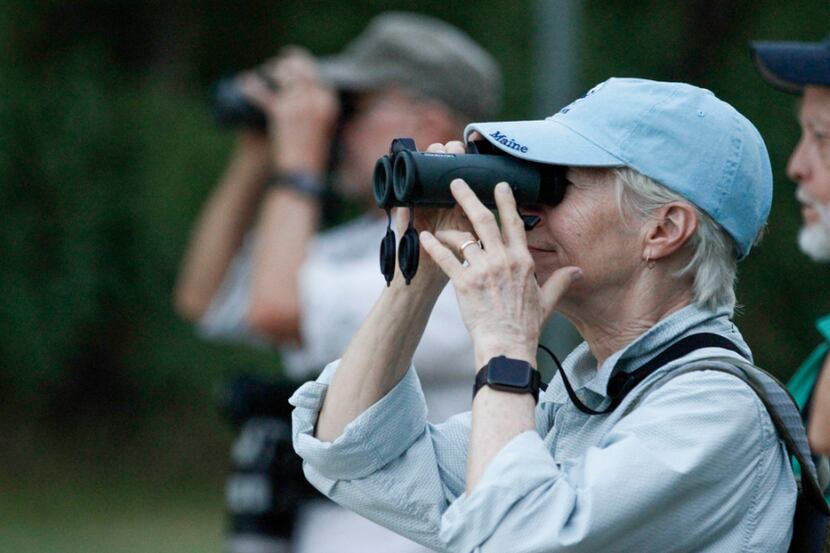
x: 668, y: 187
x: 803, y: 68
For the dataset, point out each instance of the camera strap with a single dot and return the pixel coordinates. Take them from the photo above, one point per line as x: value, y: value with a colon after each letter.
x: 623, y: 382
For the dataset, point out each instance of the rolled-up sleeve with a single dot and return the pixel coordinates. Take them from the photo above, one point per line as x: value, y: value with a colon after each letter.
x: 389, y: 465
x: 379, y: 435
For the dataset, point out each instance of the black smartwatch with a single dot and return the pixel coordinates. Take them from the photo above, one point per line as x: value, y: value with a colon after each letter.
x: 509, y: 375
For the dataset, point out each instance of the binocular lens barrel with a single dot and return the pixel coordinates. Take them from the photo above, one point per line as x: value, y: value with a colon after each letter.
x: 405, y: 179
x: 382, y: 183
x: 231, y: 109
x: 423, y: 179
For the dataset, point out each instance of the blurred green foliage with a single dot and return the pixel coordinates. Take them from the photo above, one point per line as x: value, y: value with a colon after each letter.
x: 107, y: 152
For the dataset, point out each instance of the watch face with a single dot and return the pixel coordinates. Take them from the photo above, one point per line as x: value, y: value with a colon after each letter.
x: 509, y: 373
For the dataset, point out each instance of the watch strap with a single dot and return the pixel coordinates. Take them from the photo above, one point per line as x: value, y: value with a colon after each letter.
x: 306, y: 184
x: 485, y: 378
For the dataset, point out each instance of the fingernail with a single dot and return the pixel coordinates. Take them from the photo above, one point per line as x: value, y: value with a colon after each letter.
x: 502, y: 187
x: 577, y: 274
x: 425, y: 236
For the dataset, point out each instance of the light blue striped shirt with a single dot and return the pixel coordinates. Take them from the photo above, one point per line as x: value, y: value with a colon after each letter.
x: 690, y: 463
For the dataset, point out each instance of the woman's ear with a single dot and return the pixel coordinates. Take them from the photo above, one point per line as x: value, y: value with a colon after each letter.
x: 673, y: 225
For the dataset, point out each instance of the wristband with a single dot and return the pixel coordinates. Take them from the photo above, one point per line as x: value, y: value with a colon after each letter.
x: 307, y: 184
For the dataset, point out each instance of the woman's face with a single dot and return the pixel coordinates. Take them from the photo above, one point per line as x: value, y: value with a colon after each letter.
x: 587, y: 229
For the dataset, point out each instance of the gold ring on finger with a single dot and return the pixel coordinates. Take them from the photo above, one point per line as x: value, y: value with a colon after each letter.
x: 467, y: 244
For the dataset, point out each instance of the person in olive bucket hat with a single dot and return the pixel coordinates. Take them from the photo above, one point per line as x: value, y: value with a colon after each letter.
x: 258, y: 269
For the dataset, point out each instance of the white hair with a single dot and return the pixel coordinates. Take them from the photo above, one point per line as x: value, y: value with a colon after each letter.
x: 713, y: 264
x: 814, y: 239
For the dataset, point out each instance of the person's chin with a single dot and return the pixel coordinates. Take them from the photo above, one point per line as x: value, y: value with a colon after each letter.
x: 545, y: 269
x: 814, y: 241
x: 808, y: 215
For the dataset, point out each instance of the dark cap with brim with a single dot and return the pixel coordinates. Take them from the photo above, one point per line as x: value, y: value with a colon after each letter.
x: 790, y: 66
x: 421, y: 54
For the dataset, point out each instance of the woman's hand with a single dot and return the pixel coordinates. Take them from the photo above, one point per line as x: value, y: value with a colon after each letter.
x: 435, y: 220
x: 501, y: 302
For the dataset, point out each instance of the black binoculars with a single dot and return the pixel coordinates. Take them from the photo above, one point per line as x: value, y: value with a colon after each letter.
x: 232, y: 109
x: 409, y: 178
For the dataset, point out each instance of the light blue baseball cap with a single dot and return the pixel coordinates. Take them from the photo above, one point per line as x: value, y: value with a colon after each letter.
x: 680, y: 135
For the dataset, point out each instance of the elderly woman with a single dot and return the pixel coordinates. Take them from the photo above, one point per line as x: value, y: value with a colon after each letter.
x: 667, y: 188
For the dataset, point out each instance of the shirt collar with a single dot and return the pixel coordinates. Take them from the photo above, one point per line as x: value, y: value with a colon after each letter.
x: 580, y: 365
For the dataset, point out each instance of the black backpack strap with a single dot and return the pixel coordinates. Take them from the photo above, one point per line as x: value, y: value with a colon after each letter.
x: 621, y: 383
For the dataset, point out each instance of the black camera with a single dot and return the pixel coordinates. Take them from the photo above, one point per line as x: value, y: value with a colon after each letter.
x: 409, y: 178
x: 265, y: 483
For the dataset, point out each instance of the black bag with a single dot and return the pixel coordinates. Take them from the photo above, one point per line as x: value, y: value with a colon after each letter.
x: 265, y: 485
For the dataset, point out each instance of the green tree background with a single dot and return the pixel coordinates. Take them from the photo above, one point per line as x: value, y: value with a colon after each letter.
x: 107, y: 151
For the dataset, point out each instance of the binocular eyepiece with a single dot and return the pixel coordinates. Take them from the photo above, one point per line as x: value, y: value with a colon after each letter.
x: 409, y: 178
